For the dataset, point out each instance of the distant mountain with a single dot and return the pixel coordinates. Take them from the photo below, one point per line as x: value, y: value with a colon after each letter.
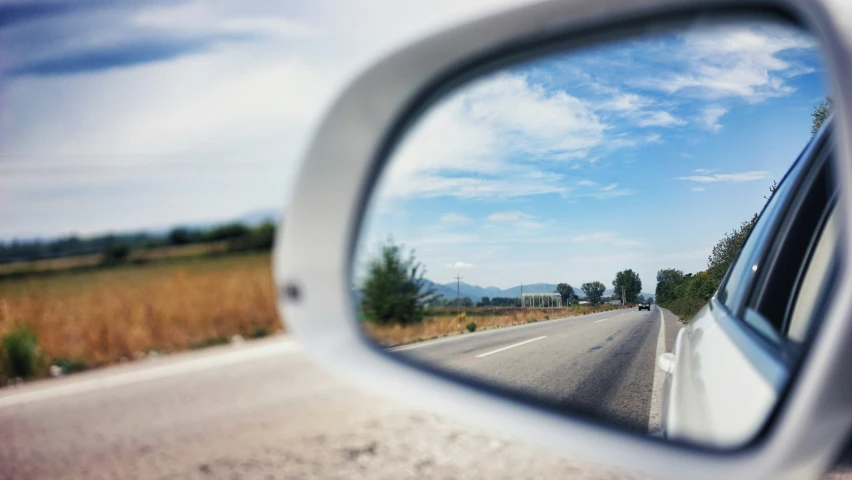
x: 260, y: 215
x: 531, y: 288
x: 442, y: 290
x: 475, y: 292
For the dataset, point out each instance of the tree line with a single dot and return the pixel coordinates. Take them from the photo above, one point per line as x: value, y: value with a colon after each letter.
x: 239, y: 237
x: 395, y: 292
x: 686, y: 293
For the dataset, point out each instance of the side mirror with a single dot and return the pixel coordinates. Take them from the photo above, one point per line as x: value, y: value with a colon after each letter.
x: 447, y: 149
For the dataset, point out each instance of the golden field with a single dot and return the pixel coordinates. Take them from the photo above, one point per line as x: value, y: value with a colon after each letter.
x: 100, y: 316
x: 441, y: 326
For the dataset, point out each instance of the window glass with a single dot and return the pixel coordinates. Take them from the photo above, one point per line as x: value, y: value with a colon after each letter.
x: 743, y: 270
x: 813, y: 280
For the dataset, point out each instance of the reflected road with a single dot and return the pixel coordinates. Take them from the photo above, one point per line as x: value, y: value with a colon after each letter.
x: 602, y: 363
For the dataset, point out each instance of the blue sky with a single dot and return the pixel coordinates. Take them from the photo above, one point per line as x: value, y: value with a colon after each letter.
x: 637, y: 154
x: 119, y: 116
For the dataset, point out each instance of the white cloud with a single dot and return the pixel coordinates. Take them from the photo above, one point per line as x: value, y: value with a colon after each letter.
x: 509, y: 217
x: 658, y: 118
x: 460, y: 265
x: 587, y: 183
x: 606, y: 192
x: 595, y: 236
x: 702, y: 170
x: 653, y: 138
x: 463, y: 145
x: 735, y: 61
x: 728, y: 177
x: 454, y: 218
x: 698, y: 189
x: 434, y: 185
x: 710, y: 116
x: 625, y: 102
x: 159, y: 142
x: 203, y: 16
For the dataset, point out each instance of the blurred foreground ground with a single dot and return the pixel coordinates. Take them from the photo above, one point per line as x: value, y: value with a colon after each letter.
x: 261, y: 410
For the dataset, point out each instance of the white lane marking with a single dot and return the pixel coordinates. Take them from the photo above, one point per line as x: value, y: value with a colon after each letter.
x: 466, y: 336
x: 510, y: 346
x: 243, y: 354
x: 410, y: 347
x: 659, y: 378
x: 610, y: 318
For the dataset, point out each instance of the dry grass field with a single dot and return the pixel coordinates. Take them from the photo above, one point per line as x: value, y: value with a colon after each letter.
x: 441, y: 326
x: 100, y: 316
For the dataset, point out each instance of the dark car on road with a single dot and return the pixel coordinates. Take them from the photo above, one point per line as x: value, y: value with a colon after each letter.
x: 645, y: 306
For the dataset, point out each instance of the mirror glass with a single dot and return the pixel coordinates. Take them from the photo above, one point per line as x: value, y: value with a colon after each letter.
x: 553, y: 230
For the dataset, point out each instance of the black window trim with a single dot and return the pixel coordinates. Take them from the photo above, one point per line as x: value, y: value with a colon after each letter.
x: 813, y: 173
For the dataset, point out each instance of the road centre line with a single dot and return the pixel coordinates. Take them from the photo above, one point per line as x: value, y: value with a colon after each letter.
x: 510, y: 346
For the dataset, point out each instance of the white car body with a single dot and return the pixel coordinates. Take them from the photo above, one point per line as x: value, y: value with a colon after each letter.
x: 724, y: 401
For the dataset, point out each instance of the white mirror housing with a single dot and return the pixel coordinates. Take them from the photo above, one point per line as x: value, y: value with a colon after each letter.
x: 312, y: 259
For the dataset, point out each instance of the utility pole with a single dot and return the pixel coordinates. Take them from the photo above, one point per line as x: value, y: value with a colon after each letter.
x: 623, y: 299
x: 458, y: 295
x: 523, y: 304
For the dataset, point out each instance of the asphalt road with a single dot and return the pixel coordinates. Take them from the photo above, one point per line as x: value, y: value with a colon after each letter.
x: 602, y: 364
x: 260, y: 410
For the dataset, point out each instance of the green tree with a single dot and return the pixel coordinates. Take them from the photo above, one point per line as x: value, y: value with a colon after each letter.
x: 227, y: 231
x: 640, y: 298
x: 179, y: 236
x: 668, y: 281
x: 115, y: 254
x: 821, y: 112
x: 394, y: 291
x: 486, y: 302
x: 567, y: 292
x: 701, y: 286
x: 726, y: 250
x: 594, y: 291
x: 629, y: 282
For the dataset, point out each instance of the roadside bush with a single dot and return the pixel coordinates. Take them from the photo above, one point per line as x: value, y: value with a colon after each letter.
x: 471, y: 327
x: 685, y: 307
x: 210, y: 342
x: 259, y: 332
x: 21, y: 356
x: 69, y: 366
x: 547, y: 317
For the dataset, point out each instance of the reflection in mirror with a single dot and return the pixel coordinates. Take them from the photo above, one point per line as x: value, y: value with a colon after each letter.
x: 555, y: 229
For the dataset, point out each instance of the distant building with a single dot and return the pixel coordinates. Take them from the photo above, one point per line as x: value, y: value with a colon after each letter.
x: 616, y: 302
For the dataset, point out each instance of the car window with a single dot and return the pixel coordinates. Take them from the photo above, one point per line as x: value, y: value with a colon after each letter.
x: 777, y: 271
x: 732, y: 290
x: 814, y: 279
